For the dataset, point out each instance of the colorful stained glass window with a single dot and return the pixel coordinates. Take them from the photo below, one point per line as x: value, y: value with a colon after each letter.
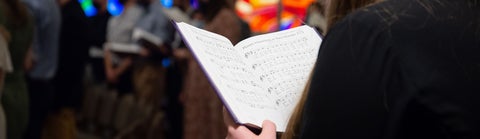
x: 262, y: 14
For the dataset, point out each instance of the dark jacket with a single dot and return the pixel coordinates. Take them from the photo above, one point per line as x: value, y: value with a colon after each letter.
x: 398, y: 69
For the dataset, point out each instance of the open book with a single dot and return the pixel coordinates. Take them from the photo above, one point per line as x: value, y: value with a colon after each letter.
x: 260, y: 78
x: 142, y: 35
x: 142, y: 39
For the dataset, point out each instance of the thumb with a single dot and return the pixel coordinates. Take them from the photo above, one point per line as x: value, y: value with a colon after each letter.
x: 269, y: 130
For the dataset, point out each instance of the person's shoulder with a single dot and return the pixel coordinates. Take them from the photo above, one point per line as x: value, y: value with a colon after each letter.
x: 375, y: 16
x: 379, y: 18
x: 137, y: 10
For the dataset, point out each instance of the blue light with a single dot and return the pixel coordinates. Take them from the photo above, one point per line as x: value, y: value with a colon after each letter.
x: 166, y: 62
x: 90, y: 11
x: 88, y: 8
x: 114, y: 7
x: 167, y: 3
x: 194, y: 4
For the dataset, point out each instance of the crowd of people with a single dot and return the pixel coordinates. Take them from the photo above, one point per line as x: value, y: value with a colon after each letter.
x: 386, y: 69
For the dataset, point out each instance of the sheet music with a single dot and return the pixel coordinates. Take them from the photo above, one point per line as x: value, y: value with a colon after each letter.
x: 282, y: 61
x: 261, y: 77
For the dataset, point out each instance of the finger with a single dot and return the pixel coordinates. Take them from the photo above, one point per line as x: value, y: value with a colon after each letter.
x: 240, y: 132
x: 269, y: 130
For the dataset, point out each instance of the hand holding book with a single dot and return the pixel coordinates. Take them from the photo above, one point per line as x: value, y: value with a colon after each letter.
x: 236, y: 131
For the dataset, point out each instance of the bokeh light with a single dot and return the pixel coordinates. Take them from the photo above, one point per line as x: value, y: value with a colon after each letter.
x: 167, y: 3
x: 88, y: 8
x: 114, y: 7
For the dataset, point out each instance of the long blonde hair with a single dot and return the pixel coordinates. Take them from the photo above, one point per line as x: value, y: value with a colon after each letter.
x: 336, y: 10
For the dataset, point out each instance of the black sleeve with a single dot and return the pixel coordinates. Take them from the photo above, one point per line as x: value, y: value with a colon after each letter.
x: 346, y: 98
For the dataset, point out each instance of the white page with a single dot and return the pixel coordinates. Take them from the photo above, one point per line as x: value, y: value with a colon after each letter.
x: 282, y: 61
x: 231, y: 76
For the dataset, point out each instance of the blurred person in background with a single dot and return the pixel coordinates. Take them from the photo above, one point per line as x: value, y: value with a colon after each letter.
x: 119, y: 30
x: 42, y: 62
x: 73, y: 52
x: 117, y: 105
x: 203, y: 109
x: 5, y: 67
x: 15, y: 19
x: 5, y: 60
x: 175, y: 72
x: 119, y: 70
x: 98, y: 38
x: 150, y: 70
x: 96, y: 86
x: 148, y: 75
x: 73, y: 55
